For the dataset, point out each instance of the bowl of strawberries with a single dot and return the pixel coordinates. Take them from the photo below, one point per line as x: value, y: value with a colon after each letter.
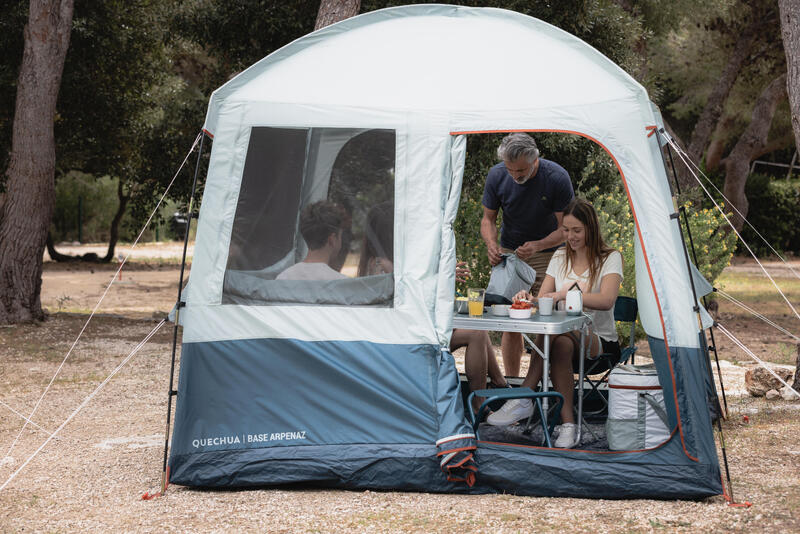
x: 520, y: 309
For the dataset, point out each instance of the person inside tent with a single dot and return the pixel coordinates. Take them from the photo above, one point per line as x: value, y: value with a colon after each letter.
x: 532, y: 193
x: 597, y: 270
x: 377, y: 250
x: 321, y: 225
x: 377, y: 257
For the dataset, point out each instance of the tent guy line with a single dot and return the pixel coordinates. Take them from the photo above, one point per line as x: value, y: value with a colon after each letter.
x: 26, y: 419
x: 85, y: 401
x: 756, y: 358
x: 684, y: 158
x: 756, y: 314
x: 108, y: 287
x: 731, y: 204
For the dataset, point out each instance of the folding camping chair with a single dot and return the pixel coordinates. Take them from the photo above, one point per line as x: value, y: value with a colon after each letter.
x: 516, y: 393
x: 625, y: 310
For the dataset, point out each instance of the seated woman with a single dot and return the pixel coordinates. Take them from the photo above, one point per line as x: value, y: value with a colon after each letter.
x: 597, y: 270
x: 479, y: 358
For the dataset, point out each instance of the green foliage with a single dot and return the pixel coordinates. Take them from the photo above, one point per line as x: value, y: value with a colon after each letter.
x: 616, y: 224
x: 774, y: 212
x: 227, y: 37
x: 470, y: 248
x: 713, y: 244
x: 98, y: 202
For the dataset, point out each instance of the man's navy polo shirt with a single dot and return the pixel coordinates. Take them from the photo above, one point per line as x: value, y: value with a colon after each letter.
x: 528, y: 209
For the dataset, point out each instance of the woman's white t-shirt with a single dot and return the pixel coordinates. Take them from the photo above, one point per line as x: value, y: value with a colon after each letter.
x: 602, y: 320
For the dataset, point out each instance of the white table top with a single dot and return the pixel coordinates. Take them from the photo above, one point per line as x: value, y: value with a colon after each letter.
x: 558, y: 323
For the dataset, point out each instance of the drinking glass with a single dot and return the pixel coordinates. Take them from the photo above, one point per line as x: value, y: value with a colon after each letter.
x: 475, y: 297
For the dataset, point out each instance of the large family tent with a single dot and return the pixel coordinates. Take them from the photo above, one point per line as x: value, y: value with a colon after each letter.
x: 347, y: 381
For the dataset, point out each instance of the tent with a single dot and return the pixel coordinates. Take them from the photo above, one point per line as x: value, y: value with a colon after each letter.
x: 348, y: 382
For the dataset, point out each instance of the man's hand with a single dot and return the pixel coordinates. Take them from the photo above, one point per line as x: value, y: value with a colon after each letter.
x: 462, y: 271
x: 527, y: 250
x: 493, y: 251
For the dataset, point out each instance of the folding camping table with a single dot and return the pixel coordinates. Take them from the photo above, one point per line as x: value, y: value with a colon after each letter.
x: 547, y: 325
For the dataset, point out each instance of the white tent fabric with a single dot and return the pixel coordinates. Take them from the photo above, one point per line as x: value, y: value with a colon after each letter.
x: 431, y: 74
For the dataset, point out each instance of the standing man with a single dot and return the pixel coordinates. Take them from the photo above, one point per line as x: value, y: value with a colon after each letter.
x: 532, y: 192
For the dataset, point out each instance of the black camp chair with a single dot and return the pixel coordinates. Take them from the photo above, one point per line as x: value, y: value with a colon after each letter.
x: 625, y: 310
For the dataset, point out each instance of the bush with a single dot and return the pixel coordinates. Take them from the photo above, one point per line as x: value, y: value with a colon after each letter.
x: 97, y: 198
x: 773, y: 212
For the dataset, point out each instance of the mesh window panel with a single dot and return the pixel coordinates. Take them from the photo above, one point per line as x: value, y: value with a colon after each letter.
x: 314, y: 220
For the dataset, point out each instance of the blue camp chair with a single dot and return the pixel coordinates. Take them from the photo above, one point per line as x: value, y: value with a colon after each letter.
x: 516, y: 393
x: 625, y: 310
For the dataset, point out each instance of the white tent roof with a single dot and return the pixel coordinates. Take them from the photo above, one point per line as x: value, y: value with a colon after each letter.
x: 432, y: 73
x: 439, y: 58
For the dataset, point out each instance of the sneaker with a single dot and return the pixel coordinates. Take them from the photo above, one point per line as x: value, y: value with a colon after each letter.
x: 511, y: 412
x: 567, y: 437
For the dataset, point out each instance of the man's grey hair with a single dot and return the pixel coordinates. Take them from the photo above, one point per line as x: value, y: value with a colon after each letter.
x: 517, y: 145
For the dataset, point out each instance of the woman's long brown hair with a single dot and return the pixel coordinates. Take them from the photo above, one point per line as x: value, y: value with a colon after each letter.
x: 596, y: 249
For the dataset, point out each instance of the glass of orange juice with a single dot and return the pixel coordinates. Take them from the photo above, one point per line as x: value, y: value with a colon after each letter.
x: 475, y: 305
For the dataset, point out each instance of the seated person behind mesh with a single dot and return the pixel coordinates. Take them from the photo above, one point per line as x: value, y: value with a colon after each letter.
x: 321, y: 225
x: 377, y: 250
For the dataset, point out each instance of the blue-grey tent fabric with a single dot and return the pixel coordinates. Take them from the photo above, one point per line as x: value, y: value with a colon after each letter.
x: 275, y: 411
x: 686, y: 466
x: 368, y: 416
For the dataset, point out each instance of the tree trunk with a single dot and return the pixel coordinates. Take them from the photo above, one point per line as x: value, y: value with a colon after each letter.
x: 750, y: 145
x: 717, y: 146
x: 719, y: 95
x: 332, y: 11
x: 114, y: 232
x: 790, y: 30
x: 30, y: 198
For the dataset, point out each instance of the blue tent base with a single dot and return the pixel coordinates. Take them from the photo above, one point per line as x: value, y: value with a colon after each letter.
x: 502, y: 469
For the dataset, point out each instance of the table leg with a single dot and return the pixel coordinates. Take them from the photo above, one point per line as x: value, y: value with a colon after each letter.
x: 545, y: 370
x: 580, y: 381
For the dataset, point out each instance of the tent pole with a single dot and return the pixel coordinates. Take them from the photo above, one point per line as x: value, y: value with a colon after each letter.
x: 705, y: 302
x: 701, y: 332
x: 172, y: 392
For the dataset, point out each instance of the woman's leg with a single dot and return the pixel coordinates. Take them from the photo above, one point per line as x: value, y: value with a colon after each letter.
x: 566, y: 349
x: 536, y: 367
x: 495, y: 374
x: 561, y: 374
x: 475, y: 359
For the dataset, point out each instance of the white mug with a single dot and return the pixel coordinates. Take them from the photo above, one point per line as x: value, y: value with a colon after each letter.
x: 545, y: 305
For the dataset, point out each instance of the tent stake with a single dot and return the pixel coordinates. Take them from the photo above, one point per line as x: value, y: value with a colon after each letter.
x: 172, y: 392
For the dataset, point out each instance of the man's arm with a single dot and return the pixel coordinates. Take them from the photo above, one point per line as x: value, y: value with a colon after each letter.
x: 553, y: 239
x: 489, y: 235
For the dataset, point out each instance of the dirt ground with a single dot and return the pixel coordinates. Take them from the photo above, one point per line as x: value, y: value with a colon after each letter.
x: 92, y: 475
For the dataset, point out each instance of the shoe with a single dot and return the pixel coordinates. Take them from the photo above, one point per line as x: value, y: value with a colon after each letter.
x: 511, y: 412
x: 567, y: 437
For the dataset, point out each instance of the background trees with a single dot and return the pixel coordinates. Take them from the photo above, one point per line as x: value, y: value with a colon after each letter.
x: 26, y: 205
x: 137, y: 76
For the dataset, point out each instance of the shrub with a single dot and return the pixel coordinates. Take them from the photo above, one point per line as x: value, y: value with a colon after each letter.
x: 98, y: 202
x: 773, y: 212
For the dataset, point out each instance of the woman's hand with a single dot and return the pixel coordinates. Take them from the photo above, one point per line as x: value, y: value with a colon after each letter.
x: 462, y: 272
x: 523, y: 295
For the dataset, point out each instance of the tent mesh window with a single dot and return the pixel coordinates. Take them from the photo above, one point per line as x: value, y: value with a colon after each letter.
x: 314, y: 219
